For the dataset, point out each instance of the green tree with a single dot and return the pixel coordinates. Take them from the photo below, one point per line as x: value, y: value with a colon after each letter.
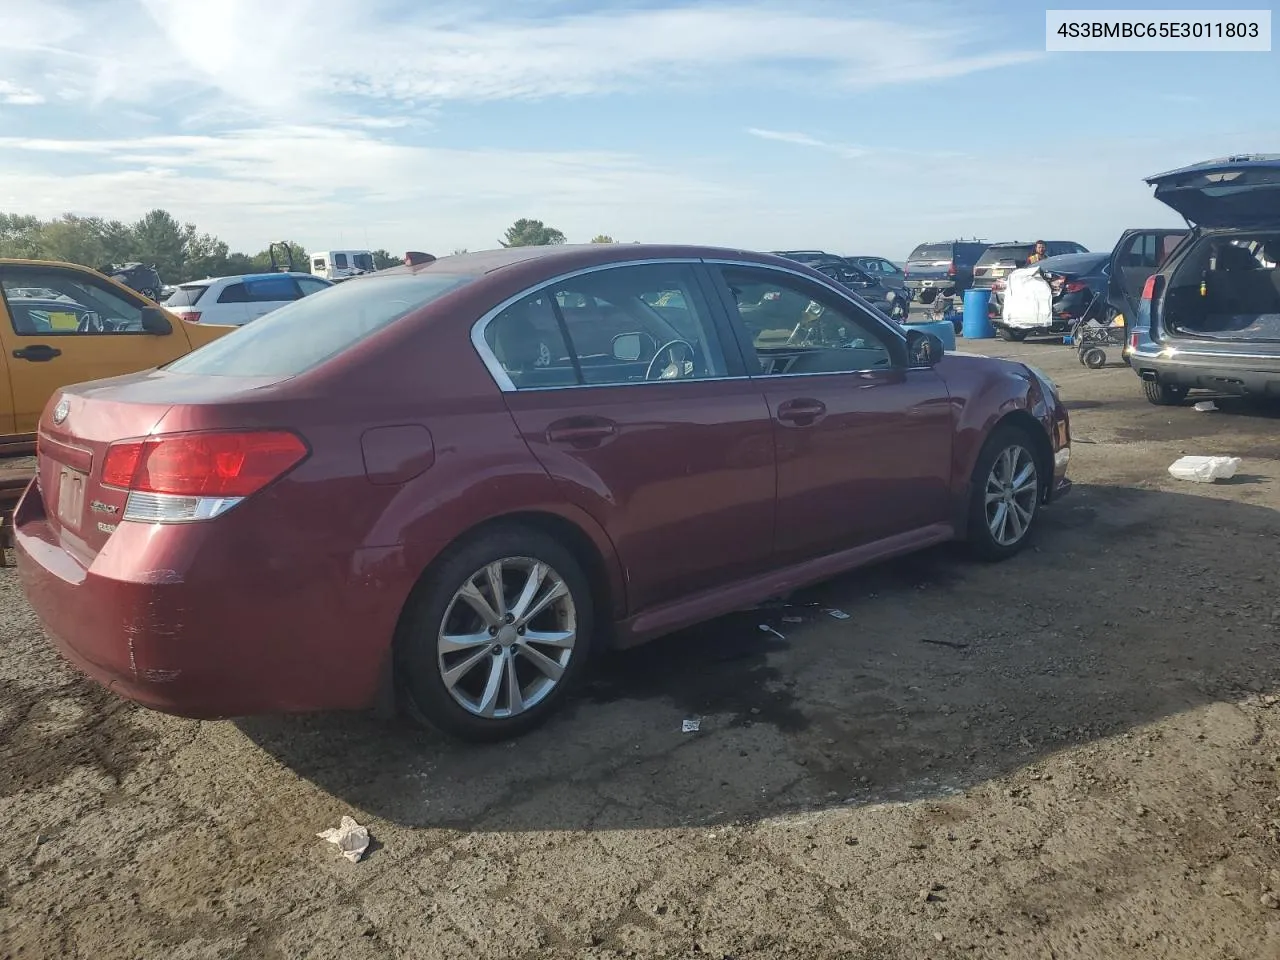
x: 531, y: 233
x: 20, y: 236
x: 158, y: 238
x: 603, y: 238
x: 382, y: 260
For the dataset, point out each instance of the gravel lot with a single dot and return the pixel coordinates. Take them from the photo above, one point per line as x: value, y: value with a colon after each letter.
x: 1073, y: 754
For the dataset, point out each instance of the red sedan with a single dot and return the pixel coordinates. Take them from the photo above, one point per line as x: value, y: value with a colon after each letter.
x: 443, y: 486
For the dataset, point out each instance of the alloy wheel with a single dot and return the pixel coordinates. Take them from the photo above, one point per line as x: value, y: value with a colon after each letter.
x: 1012, y: 494
x: 506, y: 637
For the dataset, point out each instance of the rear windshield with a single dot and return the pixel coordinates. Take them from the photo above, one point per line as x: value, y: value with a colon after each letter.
x: 307, y: 332
x: 187, y: 296
x: 931, y: 251
x: 1016, y: 254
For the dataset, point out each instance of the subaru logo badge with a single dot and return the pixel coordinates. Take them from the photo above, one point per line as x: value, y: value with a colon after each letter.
x: 61, y: 410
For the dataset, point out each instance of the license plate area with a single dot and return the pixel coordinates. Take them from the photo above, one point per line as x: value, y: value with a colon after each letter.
x: 71, y: 484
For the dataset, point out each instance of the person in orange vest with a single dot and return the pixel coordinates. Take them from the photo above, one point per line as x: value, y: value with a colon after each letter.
x: 1038, y: 255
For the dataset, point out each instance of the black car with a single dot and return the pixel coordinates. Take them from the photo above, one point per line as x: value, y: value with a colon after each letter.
x: 851, y: 276
x: 1209, y: 317
x: 1000, y: 259
x: 945, y: 267
x: 1078, y: 283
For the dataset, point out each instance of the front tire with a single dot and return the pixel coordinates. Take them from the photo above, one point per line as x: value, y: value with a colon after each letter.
x: 496, y: 637
x: 1005, y: 495
x: 1163, y: 394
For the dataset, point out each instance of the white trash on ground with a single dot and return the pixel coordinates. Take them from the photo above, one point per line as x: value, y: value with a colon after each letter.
x: 1206, y: 406
x: 1204, y: 469
x: 765, y: 628
x: 351, y: 838
x: 691, y: 726
x: 837, y: 614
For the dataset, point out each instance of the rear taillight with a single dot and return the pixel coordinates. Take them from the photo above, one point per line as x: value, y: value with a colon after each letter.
x: 197, y: 476
x: 191, y: 316
x: 1149, y: 288
x: 1133, y: 341
x: 1075, y: 286
x: 951, y: 269
x: 997, y: 286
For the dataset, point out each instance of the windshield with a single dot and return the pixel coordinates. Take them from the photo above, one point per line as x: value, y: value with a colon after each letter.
x: 307, y: 332
x: 932, y: 251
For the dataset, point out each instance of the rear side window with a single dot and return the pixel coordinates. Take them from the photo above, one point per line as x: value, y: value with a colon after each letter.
x: 307, y: 332
x: 340, y: 260
x: 233, y: 293
x: 932, y: 251
x: 187, y: 296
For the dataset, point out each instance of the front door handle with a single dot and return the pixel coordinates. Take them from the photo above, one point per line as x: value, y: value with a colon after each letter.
x: 37, y: 353
x: 801, y: 413
x: 582, y: 431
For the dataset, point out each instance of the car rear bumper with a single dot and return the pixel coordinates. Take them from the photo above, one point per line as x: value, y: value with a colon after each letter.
x: 211, y: 639
x: 1256, y: 375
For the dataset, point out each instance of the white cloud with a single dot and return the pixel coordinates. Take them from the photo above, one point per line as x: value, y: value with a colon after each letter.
x: 13, y: 95
x: 291, y: 53
x: 318, y: 184
x: 804, y: 140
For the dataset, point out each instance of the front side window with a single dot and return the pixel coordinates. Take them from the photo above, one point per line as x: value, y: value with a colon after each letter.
x: 340, y: 260
x: 309, y: 285
x: 798, y: 328
x: 50, y: 302
x: 627, y: 324
x: 271, y: 289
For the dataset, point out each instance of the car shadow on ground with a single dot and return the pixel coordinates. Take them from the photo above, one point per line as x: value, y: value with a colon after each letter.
x: 947, y: 673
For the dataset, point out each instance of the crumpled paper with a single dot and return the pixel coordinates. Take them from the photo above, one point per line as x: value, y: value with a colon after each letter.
x: 351, y: 838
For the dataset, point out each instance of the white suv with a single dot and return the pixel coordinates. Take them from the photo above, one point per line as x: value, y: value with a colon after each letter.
x: 234, y: 301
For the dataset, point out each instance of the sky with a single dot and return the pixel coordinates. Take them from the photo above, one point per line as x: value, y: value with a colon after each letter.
x: 855, y: 126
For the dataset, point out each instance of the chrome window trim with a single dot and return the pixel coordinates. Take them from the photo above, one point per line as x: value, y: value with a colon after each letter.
x: 506, y: 385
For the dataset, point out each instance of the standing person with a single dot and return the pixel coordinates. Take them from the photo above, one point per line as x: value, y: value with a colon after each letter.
x: 1038, y: 255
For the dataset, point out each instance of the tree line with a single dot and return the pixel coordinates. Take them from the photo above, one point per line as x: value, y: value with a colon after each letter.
x: 179, y: 251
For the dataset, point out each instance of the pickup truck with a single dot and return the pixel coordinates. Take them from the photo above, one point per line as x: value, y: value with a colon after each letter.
x: 61, y: 323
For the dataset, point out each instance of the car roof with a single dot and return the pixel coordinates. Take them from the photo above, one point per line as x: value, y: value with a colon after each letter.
x: 570, y: 257
x: 237, y: 278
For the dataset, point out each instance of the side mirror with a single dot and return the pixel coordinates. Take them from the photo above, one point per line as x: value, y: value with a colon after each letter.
x: 924, y: 349
x: 154, y: 321
x: 626, y: 346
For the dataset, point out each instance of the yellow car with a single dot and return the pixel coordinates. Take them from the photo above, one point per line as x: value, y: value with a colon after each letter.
x: 61, y: 323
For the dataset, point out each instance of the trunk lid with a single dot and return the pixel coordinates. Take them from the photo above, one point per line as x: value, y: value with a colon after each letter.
x: 80, y: 424
x: 1236, y: 191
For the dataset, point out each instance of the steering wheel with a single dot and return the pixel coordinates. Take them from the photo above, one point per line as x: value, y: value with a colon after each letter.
x: 674, y: 363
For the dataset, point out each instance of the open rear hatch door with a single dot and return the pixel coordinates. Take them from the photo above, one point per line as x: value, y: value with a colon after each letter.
x: 1238, y: 191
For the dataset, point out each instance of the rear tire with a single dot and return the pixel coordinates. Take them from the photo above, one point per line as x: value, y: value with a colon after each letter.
x: 482, y: 676
x: 1013, y: 336
x: 1094, y: 358
x: 1004, y: 495
x: 1163, y: 394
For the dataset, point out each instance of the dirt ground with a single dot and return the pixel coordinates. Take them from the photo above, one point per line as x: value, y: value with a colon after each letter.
x: 1073, y: 754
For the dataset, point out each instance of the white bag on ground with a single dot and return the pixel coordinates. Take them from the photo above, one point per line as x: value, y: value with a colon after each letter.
x: 1204, y: 469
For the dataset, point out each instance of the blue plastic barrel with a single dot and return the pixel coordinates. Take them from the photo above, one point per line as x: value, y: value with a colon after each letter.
x: 977, y: 325
x: 944, y: 330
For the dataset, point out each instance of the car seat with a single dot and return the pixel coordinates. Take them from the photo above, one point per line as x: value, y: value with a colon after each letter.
x: 519, y: 347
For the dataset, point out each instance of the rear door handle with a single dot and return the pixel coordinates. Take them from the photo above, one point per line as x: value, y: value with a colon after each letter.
x: 581, y: 431
x: 37, y: 353
x: 802, y: 413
